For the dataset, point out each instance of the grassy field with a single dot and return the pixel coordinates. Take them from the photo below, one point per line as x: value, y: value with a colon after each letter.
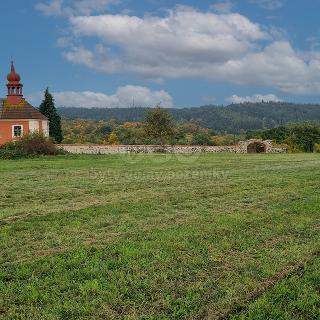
x: 211, y: 236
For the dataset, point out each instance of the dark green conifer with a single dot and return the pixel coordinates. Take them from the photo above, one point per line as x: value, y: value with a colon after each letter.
x: 48, y: 109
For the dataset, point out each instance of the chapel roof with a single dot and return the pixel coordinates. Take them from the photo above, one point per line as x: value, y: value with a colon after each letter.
x: 23, y: 110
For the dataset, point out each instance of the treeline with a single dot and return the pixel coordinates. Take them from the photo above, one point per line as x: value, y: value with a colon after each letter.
x: 131, y: 133
x: 233, y: 119
x: 301, y: 137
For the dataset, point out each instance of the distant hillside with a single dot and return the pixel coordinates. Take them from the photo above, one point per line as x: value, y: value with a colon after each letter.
x: 232, y: 119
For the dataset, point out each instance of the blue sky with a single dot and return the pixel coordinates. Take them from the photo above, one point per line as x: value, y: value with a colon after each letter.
x: 189, y: 53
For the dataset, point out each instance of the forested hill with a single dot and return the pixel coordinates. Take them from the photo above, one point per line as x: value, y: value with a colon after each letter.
x: 233, y: 118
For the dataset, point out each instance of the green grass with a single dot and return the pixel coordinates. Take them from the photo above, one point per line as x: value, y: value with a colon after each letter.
x: 295, y: 298
x: 210, y: 236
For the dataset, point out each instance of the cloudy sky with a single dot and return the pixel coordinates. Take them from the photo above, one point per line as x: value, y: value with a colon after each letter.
x: 123, y: 53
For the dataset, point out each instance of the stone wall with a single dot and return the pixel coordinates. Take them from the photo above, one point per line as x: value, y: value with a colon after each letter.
x: 114, y: 149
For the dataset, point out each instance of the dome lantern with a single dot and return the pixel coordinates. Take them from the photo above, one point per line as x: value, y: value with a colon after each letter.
x: 14, y: 86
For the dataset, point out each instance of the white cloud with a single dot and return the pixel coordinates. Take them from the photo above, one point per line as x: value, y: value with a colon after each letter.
x: 73, y: 7
x: 53, y: 8
x: 127, y: 96
x: 222, y: 6
x: 279, y: 66
x: 270, y: 4
x: 63, y: 42
x: 178, y: 45
x: 254, y: 98
x: 100, y: 59
x: 191, y: 44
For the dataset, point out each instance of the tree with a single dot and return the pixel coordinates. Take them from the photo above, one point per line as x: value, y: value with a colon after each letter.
x: 159, y: 124
x: 278, y: 135
x: 48, y: 109
x: 304, y: 136
x: 202, y: 138
x: 113, y: 139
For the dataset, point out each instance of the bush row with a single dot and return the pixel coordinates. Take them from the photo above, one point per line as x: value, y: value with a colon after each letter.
x: 32, y: 145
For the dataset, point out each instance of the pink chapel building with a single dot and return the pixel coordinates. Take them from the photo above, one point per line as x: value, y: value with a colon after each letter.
x: 17, y: 116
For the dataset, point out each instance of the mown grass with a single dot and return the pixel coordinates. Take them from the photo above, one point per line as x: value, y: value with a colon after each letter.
x: 295, y: 298
x: 159, y: 236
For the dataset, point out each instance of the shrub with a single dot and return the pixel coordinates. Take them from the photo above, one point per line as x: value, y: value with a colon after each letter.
x: 10, y: 150
x: 225, y: 140
x: 113, y: 139
x: 31, y: 145
x: 317, y: 147
x: 202, y: 139
x: 281, y: 145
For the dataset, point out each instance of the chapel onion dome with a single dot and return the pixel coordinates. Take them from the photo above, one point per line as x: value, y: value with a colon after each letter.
x: 13, y: 76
